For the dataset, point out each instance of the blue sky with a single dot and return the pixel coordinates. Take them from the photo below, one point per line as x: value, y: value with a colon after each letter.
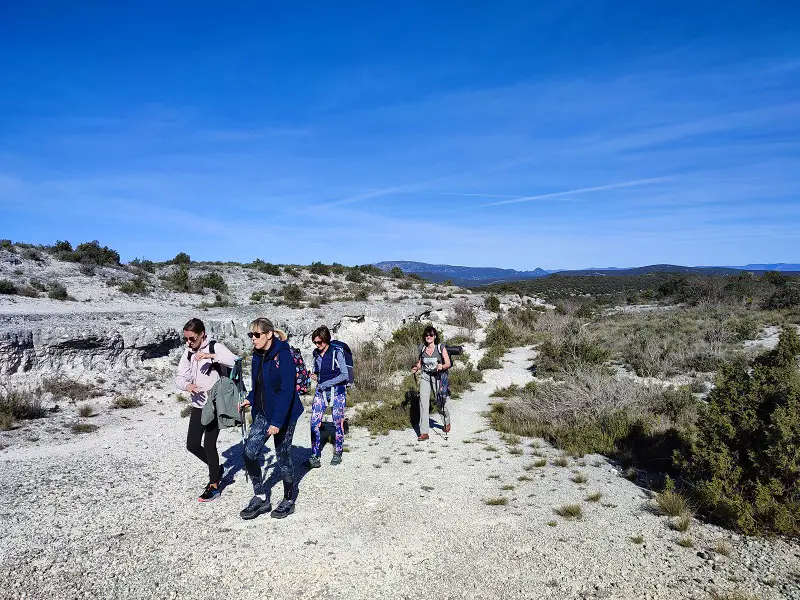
x: 559, y: 134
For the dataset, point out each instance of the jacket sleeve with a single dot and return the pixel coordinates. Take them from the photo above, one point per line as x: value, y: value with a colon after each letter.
x: 224, y: 356
x: 184, y: 376
x: 283, y: 401
x: 343, y: 376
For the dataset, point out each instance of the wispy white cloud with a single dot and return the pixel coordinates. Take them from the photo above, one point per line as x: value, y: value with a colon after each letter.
x: 580, y: 191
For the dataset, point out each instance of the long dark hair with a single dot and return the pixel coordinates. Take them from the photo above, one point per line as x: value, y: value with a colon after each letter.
x: 195, y: 326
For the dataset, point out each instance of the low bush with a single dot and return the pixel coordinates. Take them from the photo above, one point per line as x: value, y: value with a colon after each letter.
x: 178, y: 280
x: 397, y: 273
x: 319, y: 268
x: 126, y: 402
x: 213, y: 281
x: 265, y: 267
x: 491, y: 358
x: 145, y: 265
x: 742, y: 463
x: 464, y: 316
x: 19, y: 404
x: 57, y: 291
x: 492, y: 303
x: 355, y: 275
x: 87, y: 253
x: 63, y: 388
x: 7, y: 287
x: 292, y: 293
x: 137, y: 285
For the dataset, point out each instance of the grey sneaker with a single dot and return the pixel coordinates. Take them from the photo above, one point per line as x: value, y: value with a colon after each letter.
x: 337, y: 458
x: 314, y: 462
x: 256, y: 507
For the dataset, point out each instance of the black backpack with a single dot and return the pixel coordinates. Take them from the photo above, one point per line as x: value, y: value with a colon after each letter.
x: 222, y: 370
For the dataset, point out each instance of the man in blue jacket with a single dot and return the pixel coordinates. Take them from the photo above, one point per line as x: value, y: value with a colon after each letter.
x: 275, y: 405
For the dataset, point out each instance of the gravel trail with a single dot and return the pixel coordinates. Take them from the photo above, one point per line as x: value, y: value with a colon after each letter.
x: 114, y: 515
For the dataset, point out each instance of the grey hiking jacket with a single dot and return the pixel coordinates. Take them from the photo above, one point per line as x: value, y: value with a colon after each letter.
x: 222, y: 403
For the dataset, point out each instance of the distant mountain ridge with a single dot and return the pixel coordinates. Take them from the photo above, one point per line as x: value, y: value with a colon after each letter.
x: 475, y: 276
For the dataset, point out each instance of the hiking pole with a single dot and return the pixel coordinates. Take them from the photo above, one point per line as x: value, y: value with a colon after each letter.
x: 244, y: 433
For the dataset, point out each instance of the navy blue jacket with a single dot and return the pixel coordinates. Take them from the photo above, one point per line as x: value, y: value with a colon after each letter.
x: 278, y: 401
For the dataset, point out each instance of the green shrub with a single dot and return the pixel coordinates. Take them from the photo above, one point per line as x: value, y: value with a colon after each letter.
x: 144, y: 265
x: 126, y: 402
x: 354, y: 275
x: 212, y: 280
x: 57, y: 291
x: 491, y: 359
x: 498, y: 333
x: 292, y: 293
x: 88, y: 253
x: 291, y: 271
x: 743, y: 462
x: 492, y: 303
x: 137, y: 285
x: 464, y: 316
x: 383, y: 417
x: 7, y: 287
x: 265, y: 267
x: 397, y: 273
x: 18, y: 404
x: 181, y: 258
x: 7, y: 245
x: 258, y: 297
x: 178, y: 280
x: 319, y: 269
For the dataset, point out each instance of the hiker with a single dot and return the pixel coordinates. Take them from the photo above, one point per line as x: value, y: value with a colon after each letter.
x: 330, y: 373
x: 275, y: 405
x: 198, y: 370
x: 433, y: 362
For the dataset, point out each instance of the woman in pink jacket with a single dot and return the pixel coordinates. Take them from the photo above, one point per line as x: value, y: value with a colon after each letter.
x: 199, y: 369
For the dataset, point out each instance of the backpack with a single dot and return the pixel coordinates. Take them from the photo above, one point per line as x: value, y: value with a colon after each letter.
x: 302, y: 378
x: 222, y: 370
x: 348, y: 359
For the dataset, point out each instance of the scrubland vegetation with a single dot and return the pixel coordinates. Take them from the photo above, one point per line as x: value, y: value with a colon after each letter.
x: 634, y: 385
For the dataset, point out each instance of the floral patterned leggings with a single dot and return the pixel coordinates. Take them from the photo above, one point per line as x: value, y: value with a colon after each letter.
x: 318, y: 410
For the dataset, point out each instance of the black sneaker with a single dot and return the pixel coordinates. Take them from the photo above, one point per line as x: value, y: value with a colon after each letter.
x: 285, y: 508
x: 256, y: 507
x: 314, y: 462
x: 337, y: 458
x: 211, y: 493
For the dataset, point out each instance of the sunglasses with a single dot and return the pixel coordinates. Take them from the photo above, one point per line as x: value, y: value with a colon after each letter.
x: 318, y: 342
x: 433, y: 335
x: 255, y: 334
x: 190, y: 339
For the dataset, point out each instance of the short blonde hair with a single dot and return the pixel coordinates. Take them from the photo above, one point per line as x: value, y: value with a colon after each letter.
x: 264, y: 325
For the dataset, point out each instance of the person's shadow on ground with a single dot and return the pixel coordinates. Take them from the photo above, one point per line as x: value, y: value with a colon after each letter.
x: 270, y: 472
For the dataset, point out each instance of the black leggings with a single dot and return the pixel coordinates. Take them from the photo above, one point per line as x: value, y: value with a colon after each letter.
x: 207, y: 452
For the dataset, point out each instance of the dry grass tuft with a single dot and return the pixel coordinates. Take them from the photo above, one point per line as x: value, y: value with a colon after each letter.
x: 723, y: 547
x: 686, y: 542
x: 126, y: 402
x: 637, y: 539
x: 594, y: 497
x: 569, y: 511
x: 579, y: 478
x: 682, y: 523
x: 500, y: 501
x: 84, y: 427
x: 86, y: 410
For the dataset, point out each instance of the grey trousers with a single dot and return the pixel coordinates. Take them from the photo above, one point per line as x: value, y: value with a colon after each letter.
x: 429, y: 384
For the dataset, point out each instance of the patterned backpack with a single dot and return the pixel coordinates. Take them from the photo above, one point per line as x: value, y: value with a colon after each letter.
x: 302, y: 377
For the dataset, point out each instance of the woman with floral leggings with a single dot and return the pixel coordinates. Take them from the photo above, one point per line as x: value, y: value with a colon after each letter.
x: 330, y: 373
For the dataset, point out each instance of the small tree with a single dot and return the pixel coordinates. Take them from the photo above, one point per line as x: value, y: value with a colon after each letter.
x: 181, y: 258
x: 744, y: 461
x: 492, y: 303
x: 396, y: 272
x: 319, y: 268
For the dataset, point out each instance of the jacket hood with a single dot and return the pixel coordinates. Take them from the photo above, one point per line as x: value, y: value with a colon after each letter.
x: 277, y: 346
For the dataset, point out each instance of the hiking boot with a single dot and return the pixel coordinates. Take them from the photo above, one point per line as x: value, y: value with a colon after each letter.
x: 314, y: 462
x: 211, y: 493
x: 423, y: 438
x: 447, y: 428
x: 284, y: 509
x: 256, y: 507
x: 337, y: 458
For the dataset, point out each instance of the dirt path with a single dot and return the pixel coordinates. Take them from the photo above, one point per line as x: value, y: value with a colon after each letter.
x: 114, y: 515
